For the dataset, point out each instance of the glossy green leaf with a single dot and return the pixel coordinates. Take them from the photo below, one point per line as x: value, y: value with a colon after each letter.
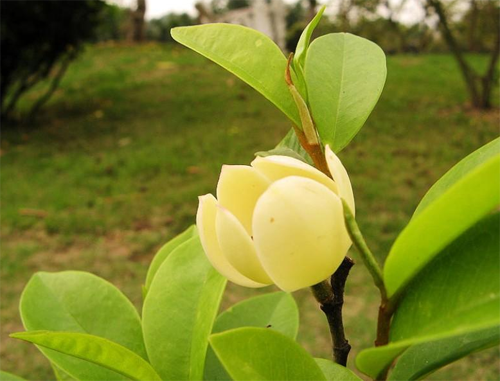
x: 461, y: 206
x: 263, y: 354
x: 336, y: 372
x: 6, y: 376
x: 305, y: 38
x: 165, y: 251
x: 250, y: 55
x: 74, y: 301
x: 345, y: 75
x: 60, y: 374
x: 277, y: 311
x: 457, y: 294
x: 422, y: 359
x: 94, y: 349
x: 179, y: 311
x: 460, y: 170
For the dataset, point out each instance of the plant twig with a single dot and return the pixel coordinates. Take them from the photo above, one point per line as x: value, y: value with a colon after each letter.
x: 386, y: 308
x: 363, y: 249
x: 330, y: 296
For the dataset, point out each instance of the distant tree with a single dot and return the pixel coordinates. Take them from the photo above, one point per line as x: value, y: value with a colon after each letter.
x: 311, y: 9
x: 112, y: 23
x: 159, y: 29
x: 38, y: 40
x: 479, y: 86
x: 221, y: 6
x: 296, y: 13
x: 138, y: 24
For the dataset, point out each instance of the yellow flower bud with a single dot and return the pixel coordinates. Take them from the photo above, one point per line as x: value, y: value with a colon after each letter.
x: 278, y: 221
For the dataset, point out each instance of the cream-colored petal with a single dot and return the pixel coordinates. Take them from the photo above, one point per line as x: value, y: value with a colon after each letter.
x: 277, y: 167
x: 238, y: 247
x: 299, y: 232
x: 238, y: 190
x: 340, y: 176
x: 205, y: 221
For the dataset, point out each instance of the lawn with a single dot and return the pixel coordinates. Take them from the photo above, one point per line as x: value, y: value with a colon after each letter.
x: 113, y: 167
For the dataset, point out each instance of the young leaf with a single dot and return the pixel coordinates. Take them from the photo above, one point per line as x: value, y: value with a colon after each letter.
x: 345, y: 75
x: 461, y: 169
x: 94, y: 349
x: 250, y: 55
x: 301, y: 50
x: 165, y: 251
x: 336, y: 372
x: 456, y: 294
x: 281, y: 151
x: 461, y: 206
x: 291, y: 141
x: 6, y: 376
x: 277, y: 311
x: 80, y: 302
x: 263, y: 354
x: 179, y: 311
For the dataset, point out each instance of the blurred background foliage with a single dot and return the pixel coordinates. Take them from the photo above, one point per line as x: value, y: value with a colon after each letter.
x: 40, y: 38
x: 110, y: 168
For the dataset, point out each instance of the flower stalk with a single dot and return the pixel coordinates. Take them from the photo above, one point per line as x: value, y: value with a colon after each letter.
x: 363, y: 249
x: 330, y: 296
x: 386, y: 308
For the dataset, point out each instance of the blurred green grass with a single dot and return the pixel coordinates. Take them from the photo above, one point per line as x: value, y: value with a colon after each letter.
x: 115, y: 163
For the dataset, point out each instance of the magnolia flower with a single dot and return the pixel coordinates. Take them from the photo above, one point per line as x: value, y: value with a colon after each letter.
x: 278, y: 221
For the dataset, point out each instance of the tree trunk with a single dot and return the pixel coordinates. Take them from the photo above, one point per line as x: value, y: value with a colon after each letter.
x: 489, y: 79
x: 474, y: 12
x: 479, y: 88
x: 311, y: 11
x: 138, y: 21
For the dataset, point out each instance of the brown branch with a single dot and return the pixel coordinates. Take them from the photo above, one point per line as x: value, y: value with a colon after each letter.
x: 330, y: 296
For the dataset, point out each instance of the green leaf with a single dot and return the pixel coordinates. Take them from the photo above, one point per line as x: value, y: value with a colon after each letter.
x: 250, y: 55
x: 264, y: 354
x: 281, y: 151
x: 291, y: 141
x: 6, y: 376
x: 303, y: 44
x: 60, y: 374
x: 277, y: 311
x: 421, y: 360
x: 179, y: 311
x: 455, y: 295
x: 165, y: 251
x: 461, y: 206
x: 345, y: 75
x: 336, y: 372
x: 74, y: 301
x: 464, y: 167
x: 94, y: 349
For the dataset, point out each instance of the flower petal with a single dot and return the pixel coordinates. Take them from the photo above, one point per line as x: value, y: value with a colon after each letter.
x: 205, y: 221
x: 340, y: 176
x: 299, y: 232
x: 277, y: 167
x: 238, y: 190
x: 238, y: 247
